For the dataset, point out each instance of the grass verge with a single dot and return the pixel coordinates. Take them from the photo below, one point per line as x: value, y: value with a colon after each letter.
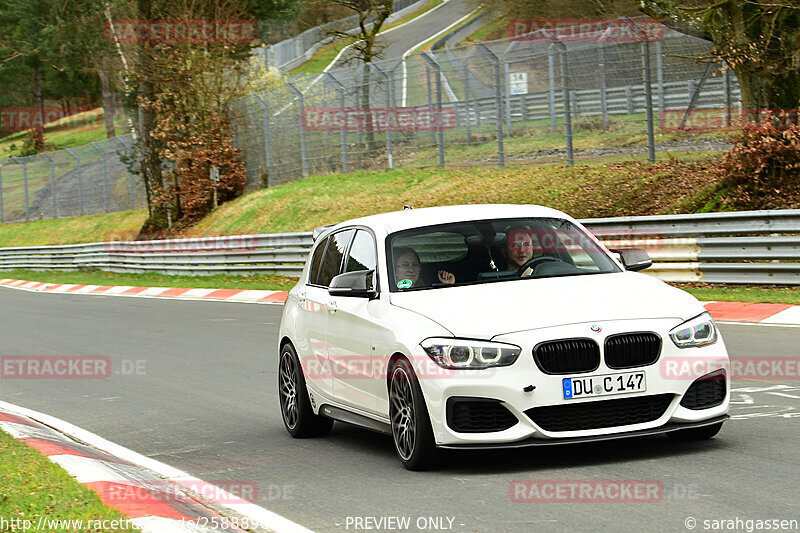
x: 774, y: 294
x: 99, y: 277
x: 31, y: 486
x: 95, y: 228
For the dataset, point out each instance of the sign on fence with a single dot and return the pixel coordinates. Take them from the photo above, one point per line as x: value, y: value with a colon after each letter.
x: 519, y: 82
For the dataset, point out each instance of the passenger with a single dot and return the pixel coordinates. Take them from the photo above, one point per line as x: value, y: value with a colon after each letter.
x: 407, y: 266
x: 518, y: 249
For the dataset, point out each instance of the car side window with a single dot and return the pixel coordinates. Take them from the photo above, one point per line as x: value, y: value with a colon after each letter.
x: 332, y: 261
x: 316, y: 261
x: 362, y: 253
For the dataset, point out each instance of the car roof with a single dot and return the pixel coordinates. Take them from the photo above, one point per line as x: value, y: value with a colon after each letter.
x: 428, y: 216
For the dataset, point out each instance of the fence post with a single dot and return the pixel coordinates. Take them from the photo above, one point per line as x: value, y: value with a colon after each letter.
x: 567, y: 106
x: 105, y: 174
x: 267, y: 138
x: 477, y: 101
x: 301, y: 111
x: 551, y: 97
x: 507, y: 72
x: 432, y: 63
x: 728, y: 97
x: 2, y: 213
x: 501, y: 156
x: 603, y: 94
x: 80, y: 181
x: 648, y: 102
x: 340, y: 92
x: 25, y: 182
x: 695, y: 95
x: 660, y: 76
x: 130, y: 176
x: 430, y: 97
x: 467, y: 106
x: 52, y: 182
x: 388, y: 100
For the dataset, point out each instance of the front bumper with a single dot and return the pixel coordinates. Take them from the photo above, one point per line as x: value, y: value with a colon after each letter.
x: 511, y: 387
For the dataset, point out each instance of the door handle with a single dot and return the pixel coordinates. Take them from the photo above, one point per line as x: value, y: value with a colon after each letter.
x: 331, y: 306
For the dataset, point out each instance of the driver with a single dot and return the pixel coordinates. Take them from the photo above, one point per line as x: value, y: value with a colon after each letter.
x: 518, y: 248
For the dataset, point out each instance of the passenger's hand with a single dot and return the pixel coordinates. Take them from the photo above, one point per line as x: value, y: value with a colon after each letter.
x: 446, y: 277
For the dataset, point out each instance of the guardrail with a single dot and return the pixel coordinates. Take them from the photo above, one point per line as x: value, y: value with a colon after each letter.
x: 759, y: 247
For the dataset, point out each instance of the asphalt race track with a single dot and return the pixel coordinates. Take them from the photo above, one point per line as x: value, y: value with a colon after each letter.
x: 193, y: 384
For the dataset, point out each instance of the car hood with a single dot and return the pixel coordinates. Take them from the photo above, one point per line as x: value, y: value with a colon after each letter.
x: 490, y: 309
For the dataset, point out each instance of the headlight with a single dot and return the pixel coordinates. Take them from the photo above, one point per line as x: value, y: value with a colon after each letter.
x: 699, y: 331
x: 463, y: 353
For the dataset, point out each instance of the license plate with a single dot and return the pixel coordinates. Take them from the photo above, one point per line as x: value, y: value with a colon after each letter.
x: 606, y: 385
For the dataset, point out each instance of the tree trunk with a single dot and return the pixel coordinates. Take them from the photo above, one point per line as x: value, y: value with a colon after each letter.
x: 38, y: 127
x: 762, y: 91
x: 108, y: 101
x: 149, y: 159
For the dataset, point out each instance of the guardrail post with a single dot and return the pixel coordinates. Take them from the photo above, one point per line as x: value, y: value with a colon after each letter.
x: 648, y: 102
x: 551, y: 95
x: 52, y: 182
x: 507, y: 72
x: 567, y: 105
x: 105, y: 174
x: 80, y: 181
x: 388, y: 101
x: 501, y: 156
x: 439, y: 131
x: 25, y: 181
x: 340, y: 92
x: 130, y: 176
x: 629, y: 99
x: 267, y: 138
x: 303, y: 144
x: 603, y: 94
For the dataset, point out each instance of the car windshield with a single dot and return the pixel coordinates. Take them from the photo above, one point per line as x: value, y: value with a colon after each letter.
x: 468, y: 253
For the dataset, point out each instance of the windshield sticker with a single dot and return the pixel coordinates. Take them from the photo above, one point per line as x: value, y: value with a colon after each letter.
x: 404, y: 284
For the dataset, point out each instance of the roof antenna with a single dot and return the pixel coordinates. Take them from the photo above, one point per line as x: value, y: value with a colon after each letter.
x: 407, y: 208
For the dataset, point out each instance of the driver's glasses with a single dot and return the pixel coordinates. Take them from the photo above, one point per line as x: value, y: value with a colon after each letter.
x: 405, y: 265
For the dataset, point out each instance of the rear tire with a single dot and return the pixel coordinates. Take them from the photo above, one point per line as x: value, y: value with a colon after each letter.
x: 694, y: 434
x: 296, y: 412
x: 411, y: 426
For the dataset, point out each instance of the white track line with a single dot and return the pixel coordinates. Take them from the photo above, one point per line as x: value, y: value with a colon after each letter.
x: 267, y: 519
x: 342, y: 51
x: 411, y: 50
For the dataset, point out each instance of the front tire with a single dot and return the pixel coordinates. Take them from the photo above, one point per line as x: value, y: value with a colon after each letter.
x: 411, y: 425
x: 298, y: 416
x: 693, y: 434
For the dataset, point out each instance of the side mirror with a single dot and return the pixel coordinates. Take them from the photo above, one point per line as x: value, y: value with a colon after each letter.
x: 358, y: 284
x: 634, y: 258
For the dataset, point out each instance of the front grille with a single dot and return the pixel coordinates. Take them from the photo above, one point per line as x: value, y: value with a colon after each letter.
x: 707, y: 391
x: 567, y: 356
x: 600, y: 414
x: 478, y: 415
x: 629, y: 350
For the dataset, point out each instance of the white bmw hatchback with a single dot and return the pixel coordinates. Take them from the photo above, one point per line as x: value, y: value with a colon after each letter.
x: 492, y: 326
